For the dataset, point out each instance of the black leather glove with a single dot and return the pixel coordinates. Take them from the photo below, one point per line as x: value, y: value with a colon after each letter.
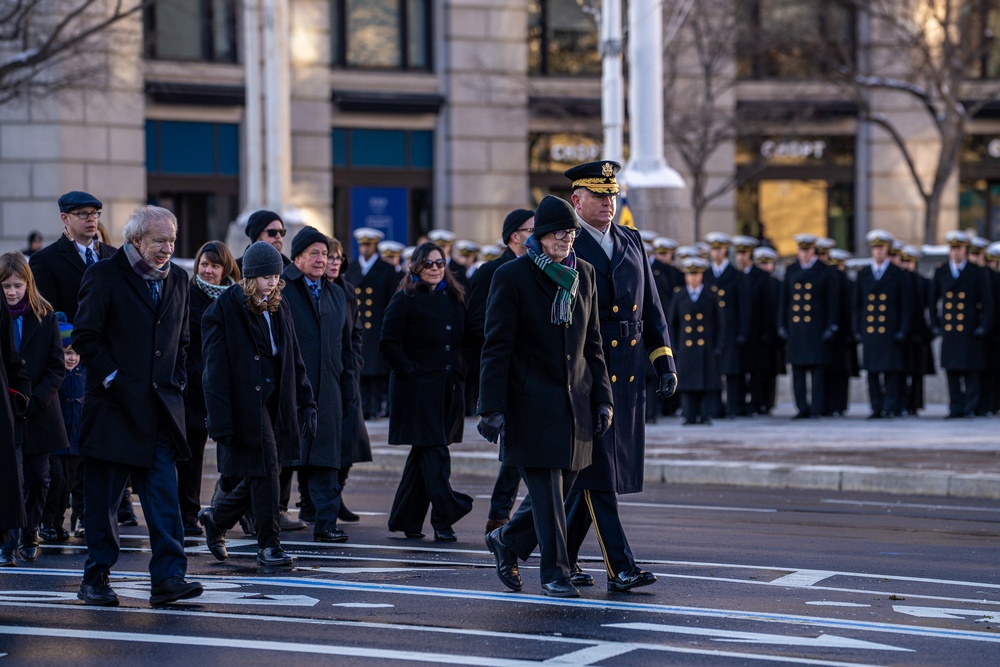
x: 828, y: 334
x: 668, y: 385
x: 19, y: 403
x: 979, y: 332
x: 602, y: 420
x: 783, y: 334
x: 900, y: 337
x: 491, y: 426
x: 307, y: 427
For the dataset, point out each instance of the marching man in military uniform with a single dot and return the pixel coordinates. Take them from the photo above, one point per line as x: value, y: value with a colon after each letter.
x: 634, y: 332
x: 808, y: 322
x: 961, y: 312
x: 699, y: 333
x: 765, y: 394
x: 375, y: 281
x: 883, y: 312
x: 730, y: 286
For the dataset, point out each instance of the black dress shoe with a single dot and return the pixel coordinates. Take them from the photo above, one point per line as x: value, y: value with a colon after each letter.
x: 127, y: 516
x: 578, y: 577
x: 629, y: 579
x: 214, y: 536
x: 506, y: 561
x: 51, y: 533
x: 193, y: 530
x: 446, y: 535
x: 413, y: 534
x: 8, y: 559
x: 28, y: 548
x: 801, y: 415
x: 249, y: 525
x: 273, y: 556
x: 346, y: 515
x: 80, y: 530
x: 99, y: 594
x: 174, y: 589
x: 560, y: 588
x: 335, y: 535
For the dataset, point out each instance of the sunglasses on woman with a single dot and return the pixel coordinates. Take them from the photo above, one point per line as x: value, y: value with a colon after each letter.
x: 431, y: 263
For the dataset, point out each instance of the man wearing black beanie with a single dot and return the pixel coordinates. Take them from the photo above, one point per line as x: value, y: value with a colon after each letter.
x: 266, y: 226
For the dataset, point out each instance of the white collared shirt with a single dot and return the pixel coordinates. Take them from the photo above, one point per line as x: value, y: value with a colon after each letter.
x: 366, y: 264
x: 878, y: 270
x: 957, y: 268
x: 717, y: 269
x: 603, y: 238
x: 82, y: 249
x: 806, y: 267
x: 695, y: 292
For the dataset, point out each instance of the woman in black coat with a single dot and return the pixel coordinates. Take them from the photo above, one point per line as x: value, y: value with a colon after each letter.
x: 37, y: 340
x: 422, y: 336
x: 257, y: 395
x: 14, y: 390
x: 215, y: 271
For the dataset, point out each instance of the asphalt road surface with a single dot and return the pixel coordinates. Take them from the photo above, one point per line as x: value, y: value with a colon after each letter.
x: 746, y: 577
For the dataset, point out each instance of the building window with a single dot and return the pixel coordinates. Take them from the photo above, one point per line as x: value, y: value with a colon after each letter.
x: 980, y: 23
x: 203, y: 30
x: 793, y: 39
x: 381, y: 34
x: 563, y: 37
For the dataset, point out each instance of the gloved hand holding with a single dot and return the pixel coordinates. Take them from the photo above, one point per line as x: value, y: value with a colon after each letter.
x: 19, y: 403
x: 307, y: 427
x: 668, y: 385
x: 828, y: 334
x: 602, y: 420
x: 491, y: 426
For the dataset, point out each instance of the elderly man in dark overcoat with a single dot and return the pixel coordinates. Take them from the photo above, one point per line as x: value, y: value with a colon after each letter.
x: 544, y: 390
x: 15, y: 389
x: 132, y: 334
x: 319, y: 310
x: 634, y: 333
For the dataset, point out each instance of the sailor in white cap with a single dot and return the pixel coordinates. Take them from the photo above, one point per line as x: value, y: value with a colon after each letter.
x: 731, y: 286
x: 743, y: 248
x: 763, y: 387
x: 759, y: 350
x: 390, y: 252
x: 961, y: 312
x: 977, y: 250
x: 919, y: 355
x: 465, y: 260
x: 489, y: 252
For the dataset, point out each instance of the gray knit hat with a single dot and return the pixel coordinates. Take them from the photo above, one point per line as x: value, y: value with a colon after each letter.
x: 262, y: 259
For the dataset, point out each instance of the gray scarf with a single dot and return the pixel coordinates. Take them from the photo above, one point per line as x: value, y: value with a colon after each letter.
x: 142, y: 267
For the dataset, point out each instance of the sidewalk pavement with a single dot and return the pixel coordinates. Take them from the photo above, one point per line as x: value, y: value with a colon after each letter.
x: 925, y: 455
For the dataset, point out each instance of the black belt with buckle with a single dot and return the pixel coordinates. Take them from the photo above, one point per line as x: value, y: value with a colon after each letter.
x: 625, y: 329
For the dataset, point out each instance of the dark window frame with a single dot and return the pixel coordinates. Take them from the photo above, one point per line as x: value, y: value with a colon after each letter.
x: 338, y: 54
x: 543, y: 38
x: 209, y: 48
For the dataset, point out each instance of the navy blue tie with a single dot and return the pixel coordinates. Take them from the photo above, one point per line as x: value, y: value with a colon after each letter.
x: 314, y: 288
x: 91, y: 258
x: 154, y: 291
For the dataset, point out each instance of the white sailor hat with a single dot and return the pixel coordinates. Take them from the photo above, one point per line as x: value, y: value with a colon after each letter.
x: 390, y: 248
x: 956, y: 238
x: 896, y: 247
x: 664, y: 243
x: 718, y: 239
x: 911, y: 252
x: 826, y: 244
x: 702, y: 248
x: 977, y: 244
x: 490, y: 251
x: 879, y: 237
x: 368, y: 235
x: 993, y: 250
x: 408, y: 252
x: 743, y: 243
x: 466, y: 247
x: 764, y: 254
x: 839, y: 256
x: 647, y: 235
x: 441, y: 236
x: 694, y: 265
x: 805, y: 240
x: 685, y: 252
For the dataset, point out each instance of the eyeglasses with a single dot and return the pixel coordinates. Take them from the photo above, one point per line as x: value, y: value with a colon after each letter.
x: 564, y: 234
x: 431, y: 263
x: 86, y: 215
x: 336, y: 258
x: 530, y: 230
x: 274, y: 233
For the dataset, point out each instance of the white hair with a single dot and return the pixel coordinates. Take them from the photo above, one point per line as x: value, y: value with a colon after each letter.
x: 142, y: 219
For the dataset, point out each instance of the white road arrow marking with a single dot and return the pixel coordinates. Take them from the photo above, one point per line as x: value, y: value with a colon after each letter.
x: 821, y: 641
x: 942, y: 612
x: 229, y: 597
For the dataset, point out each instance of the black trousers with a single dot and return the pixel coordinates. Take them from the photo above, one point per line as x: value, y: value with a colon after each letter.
x: 426, y: 482
x: 504, y: 493
x: 883, y: 392
x: 600, y: 509
x: 838, y: 385
x: 758, y: 384
x: 736, y: 392
x: 189, y: 474
x: 259, y: 494
x: 914, y: 393
x: 324, y: 494
x: 540, y: 520
x: 817, y: 376
x: 698, y: 406
x: 62, y: 473
x: 963, y: 392
x: 36, y: 488
x: 374, y: 396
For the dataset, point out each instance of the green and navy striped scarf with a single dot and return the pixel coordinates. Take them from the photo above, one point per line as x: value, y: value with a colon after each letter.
x: 564, y: 275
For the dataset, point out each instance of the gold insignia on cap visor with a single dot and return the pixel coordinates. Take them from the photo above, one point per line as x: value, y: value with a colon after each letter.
x: 608, y: 170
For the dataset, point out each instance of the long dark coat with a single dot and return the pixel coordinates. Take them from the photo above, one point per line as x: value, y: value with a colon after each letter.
x: 883, y: 312
x: 731, y: 287
x: 993, y: 342
x: 118, y: 328
x: 966, y: 303
x: 12, y: 376
x: 546, y: 379
x: 58, y: 269
x: 921, y: 355
x: 699, y: 334
x: 422, y: 337
x: 194, y: 394
x: 234, y: 375
x: 666, y: 277
x: 357, y: 447
x: 844, y: 346
x: 633, y: 326
x: 809, y: 305
x: 477, y: 296
x: 42, y: 354
x: 373, y: 292
x: 758, y: 352
x: 324, y: 337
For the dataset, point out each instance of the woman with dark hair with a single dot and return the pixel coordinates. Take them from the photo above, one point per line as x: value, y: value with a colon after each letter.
x: 357, y: 447
x: 215, y: 271
x: 259, y: 401
x: 422, y: 337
